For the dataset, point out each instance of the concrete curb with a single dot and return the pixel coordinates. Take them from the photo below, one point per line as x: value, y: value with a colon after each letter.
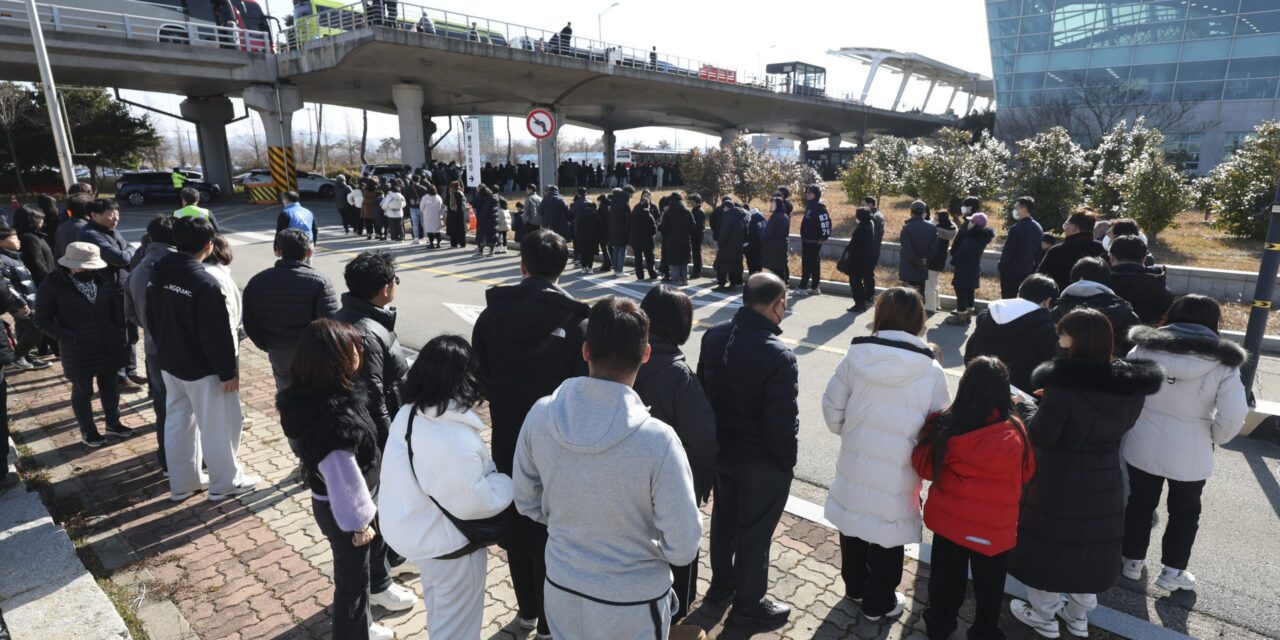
x: 42, y: 579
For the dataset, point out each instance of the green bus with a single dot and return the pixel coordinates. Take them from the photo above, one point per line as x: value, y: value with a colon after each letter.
x: 314, y: 19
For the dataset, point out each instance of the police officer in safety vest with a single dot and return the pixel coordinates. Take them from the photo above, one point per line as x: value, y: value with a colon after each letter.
x: 192, y: 209
x: 296, y: 216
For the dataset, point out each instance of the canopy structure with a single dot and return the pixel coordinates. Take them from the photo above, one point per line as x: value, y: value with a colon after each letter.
x: 911, y: 65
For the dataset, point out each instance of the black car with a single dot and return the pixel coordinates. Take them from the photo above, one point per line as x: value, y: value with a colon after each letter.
x: 141, y: 187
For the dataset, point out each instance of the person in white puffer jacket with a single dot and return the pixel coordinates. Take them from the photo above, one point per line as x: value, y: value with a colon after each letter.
x: 1201, y: 404
x: 448, y: 462
x: 877, y: 401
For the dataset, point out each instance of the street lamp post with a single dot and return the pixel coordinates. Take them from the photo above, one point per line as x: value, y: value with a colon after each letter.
x: 60, y: 142
x: 600, y: 21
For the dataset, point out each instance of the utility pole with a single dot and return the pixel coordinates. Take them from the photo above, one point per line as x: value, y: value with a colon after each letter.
x: 56, y: 123
x: 1262, y: 296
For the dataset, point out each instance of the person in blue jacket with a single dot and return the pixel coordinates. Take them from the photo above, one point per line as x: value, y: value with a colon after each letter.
x: 296, y: 216
x: 1018, y: 258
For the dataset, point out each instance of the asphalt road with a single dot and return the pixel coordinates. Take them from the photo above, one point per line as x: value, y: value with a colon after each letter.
x: 1237, y: 557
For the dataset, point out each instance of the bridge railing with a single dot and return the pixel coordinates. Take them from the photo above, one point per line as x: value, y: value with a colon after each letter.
x: 310, y: 30
x: 56, y: 18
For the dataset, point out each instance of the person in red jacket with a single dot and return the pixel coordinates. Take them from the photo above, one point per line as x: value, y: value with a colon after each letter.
x: 977, y: 455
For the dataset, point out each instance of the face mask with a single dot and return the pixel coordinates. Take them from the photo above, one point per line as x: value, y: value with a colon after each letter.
x: 964, y: 210
x: 84, y: 276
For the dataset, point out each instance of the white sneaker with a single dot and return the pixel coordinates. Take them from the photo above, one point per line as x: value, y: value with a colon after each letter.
x: 395, y: 598
x: 1131, y: 569
x: 1078, y: 627
x: 527, y: 624
x: 1024, y: 613
x: 379, y: 632
x: 247, y: 484
x: 1174, y: 580
x: 898, y: 606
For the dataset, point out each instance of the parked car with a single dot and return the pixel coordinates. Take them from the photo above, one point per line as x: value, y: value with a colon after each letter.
x: 308, y: 182
x: 141, y: 187
x: 379, y: 170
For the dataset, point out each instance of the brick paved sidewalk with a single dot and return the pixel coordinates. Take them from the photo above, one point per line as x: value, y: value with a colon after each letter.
x: 258, y: 567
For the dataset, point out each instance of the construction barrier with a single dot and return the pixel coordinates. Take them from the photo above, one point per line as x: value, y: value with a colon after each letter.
x: 283, y: 170
x: 265, y: 194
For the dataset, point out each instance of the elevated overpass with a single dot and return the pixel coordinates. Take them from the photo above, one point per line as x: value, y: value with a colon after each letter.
x: 443, y: 68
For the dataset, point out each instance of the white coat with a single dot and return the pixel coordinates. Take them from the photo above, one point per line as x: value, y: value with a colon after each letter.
x: 393, y: 205
x: 1201, y: 403
x: 432, y: 213
x: 453, y: 466
x: 231, y: 294
x: 877, y: 402
x: 355, y: 198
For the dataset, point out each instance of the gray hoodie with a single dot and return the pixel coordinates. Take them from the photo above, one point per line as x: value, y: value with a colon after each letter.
x: 613, y: 486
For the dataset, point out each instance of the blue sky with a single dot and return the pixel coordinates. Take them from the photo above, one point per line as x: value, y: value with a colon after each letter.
x: 742, y: 36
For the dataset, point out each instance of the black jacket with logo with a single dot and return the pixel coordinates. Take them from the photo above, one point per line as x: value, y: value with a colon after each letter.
x: 188, y: 315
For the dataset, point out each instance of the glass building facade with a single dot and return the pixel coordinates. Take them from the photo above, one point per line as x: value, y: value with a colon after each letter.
x: 1141, y: 52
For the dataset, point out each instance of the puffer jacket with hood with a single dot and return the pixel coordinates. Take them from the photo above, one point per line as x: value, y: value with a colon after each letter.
x: 554, y: 213
x: 877, y: 401
x: 1021, y: 333
x: 1087, y: 293
x: 452, y: 465
x: 1200, y: 404
x: 1144, y: 288
x: 673, y: 394
x: 619, y: 215
x: 616, y: 542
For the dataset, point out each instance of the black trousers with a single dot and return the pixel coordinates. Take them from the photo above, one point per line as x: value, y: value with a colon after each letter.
x: 918, y: 286
x: 863, y: 286
x: 964, y: 299
x: 1009, y: 283
x: 871, y: 573
x: 586, y: 257
x: 695, y: 248
x: 82, y: 399
x: 357, y: 572
x: 810, y: 265
x: 748, y: 504
x: 1184, y: 517
x: 364, y: 226
x: 4, y: 420
x: 684, y: 582
x: 395, y: 228
x: 28, y: 336
x: 528, y: 577
x: 948, y: 579
x: 156, y: 391
x: 380, y: 225
x: 643, y: 260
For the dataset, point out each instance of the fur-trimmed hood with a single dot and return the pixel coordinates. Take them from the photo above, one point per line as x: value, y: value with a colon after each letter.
x: 1118, y: 377
x: 1189, y: 339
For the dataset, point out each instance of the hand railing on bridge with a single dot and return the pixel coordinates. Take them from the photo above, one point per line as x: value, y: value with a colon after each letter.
x: 62, y: 19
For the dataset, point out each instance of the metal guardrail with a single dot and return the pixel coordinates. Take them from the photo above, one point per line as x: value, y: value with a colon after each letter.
x: 61, y: 19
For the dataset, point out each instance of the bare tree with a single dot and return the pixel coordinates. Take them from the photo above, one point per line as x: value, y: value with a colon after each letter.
x: 508, y: 140
x: 12, y: 98
x: 1091, y: 110
x: 315, y: 155
x: 364, y: 136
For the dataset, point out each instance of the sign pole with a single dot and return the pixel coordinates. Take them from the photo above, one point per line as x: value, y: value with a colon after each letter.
x: 471, y: 151
x: 542, y: 125
x: 1262, y: 297
x: 59, y: 127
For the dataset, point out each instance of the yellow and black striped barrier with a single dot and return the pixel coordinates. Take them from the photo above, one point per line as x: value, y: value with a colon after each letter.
x: 283, y: 170
x: 263, y: 194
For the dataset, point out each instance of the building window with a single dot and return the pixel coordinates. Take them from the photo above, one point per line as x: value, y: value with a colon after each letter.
x: 1183, y: 150
x: 1234, y: 141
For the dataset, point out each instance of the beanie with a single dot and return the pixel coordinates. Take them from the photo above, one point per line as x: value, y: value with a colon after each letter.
x: 978, y: 219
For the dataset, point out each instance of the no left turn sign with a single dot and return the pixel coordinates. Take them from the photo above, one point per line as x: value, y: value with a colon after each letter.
x: 541, y: 124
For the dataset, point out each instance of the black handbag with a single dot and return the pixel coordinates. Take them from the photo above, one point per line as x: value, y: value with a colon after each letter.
x: 845, y: 265
x: 480, y: 534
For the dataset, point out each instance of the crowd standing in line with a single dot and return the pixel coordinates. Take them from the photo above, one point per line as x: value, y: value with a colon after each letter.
x: 1087, y: 361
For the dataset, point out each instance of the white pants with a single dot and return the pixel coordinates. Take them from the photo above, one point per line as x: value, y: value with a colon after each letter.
x: 453, y: 592
x: 201, y: 420
x: 931, y: 291
x: 1047, y: 603
x: 575, y: 618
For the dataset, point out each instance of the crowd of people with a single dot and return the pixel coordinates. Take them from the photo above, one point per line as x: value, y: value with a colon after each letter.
x: 606, y: 442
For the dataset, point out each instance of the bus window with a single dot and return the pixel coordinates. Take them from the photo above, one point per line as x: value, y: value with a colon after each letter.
x: 201, y: 10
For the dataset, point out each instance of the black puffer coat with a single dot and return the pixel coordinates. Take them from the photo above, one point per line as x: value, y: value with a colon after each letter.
x: 731, y: 241
x: 486, y: 219
x: 1144, y: 288
x: 528, y: 340
x: 1072, y: 517
x: 1022, y: 344
x: 555, y: 213
x: 281, y: 301
x: 90, y: 335
x: 586, y: 225
x: 384, y: 364
x: 673, y: 394
x: 1098, y: 297
x: 326, y: 421
x: 642, y: 225
x: 38, y: 256
x: 677, y: 232
x: 619, y: 214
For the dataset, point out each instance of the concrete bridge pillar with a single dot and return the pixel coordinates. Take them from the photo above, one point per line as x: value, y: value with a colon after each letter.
x: 804, y: 149
x: 429, y: 129
x: 610, y: 142
x: 549, y: 154
x: 211, y: 116
x: 413, y: 146
x: 728, y: 137
x: 275, y: 106
x: 833, y: 142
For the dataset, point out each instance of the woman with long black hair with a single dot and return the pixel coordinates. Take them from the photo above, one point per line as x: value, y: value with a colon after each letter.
x: 977, y: 455
x: 1072, y: 518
